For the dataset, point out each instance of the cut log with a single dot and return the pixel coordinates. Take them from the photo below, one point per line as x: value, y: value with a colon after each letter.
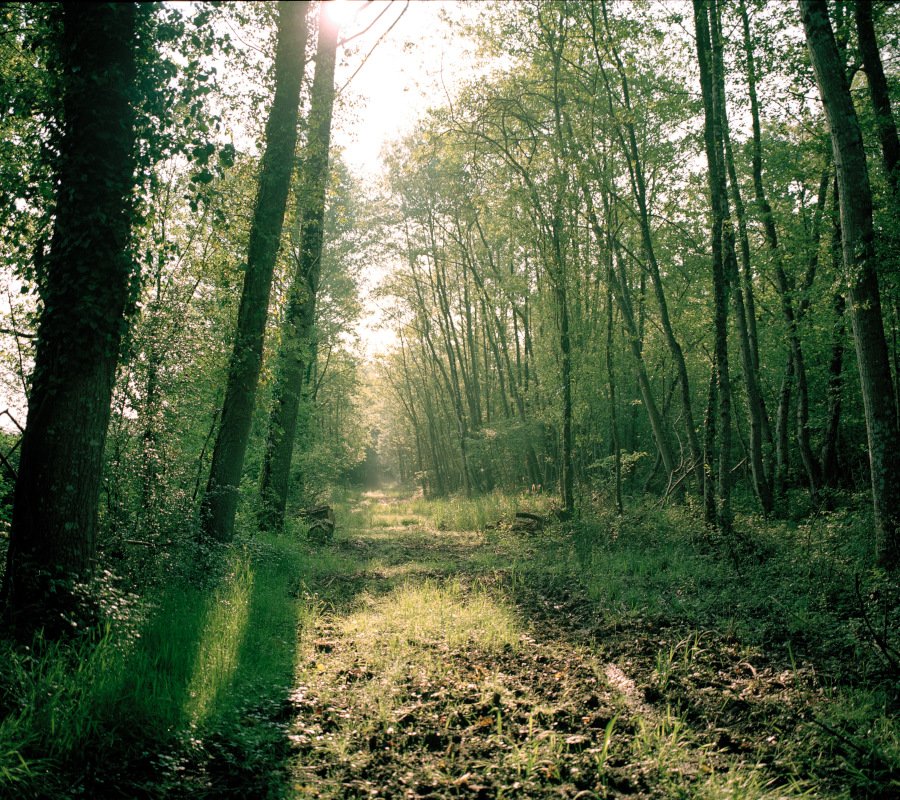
x: 322, y: 511
x: 321, y: 531
x: 320, y: 520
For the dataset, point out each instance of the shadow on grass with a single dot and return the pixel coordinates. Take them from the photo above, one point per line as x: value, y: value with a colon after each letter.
x: 190, y: 702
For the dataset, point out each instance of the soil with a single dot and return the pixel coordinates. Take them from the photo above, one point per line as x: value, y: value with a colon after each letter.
x: 561, y: 705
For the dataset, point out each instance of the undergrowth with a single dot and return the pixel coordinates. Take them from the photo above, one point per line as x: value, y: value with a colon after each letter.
x: 770, y: 666
x: 801, y: 599
x: 785, y: 640
x: 182, y: 697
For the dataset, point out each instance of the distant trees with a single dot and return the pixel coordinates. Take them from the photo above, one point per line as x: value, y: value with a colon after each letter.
x: 582, y: 216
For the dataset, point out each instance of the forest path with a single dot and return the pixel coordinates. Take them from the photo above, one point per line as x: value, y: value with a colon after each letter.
x: 424, y: 678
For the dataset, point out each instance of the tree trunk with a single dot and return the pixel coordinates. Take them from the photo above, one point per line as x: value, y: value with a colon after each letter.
x: 220, y: 500
x: 295, y: 352
x: 567, y: 476
x: 784, y: 285
x: 560, y: 280
x: 611, y: 380
x: 878, y: 92
x: 782, y: 440
x: 862, y: 277
x: 88, y: 292
x: 756, y: 412
x: 719, y: 203
x: 830, y: 466
x: 831, y: 475
x: 709, y: 448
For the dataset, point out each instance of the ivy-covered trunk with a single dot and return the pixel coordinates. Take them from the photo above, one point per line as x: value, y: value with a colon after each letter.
x: 297, y: 349
x: 86, y: 284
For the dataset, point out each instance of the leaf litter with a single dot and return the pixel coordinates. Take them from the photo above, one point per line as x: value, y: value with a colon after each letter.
x: 453, y: 684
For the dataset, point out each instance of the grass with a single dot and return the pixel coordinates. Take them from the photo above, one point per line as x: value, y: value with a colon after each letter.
x: 188, y: 695
x: 200, y: 678
x: 477, y: 513
x: 795, y: 591
x: 427, y: 613
x: 802, y: 600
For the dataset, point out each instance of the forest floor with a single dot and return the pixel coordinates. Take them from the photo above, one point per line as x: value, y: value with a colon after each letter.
x: 441, y: 664
x: 430, y: 651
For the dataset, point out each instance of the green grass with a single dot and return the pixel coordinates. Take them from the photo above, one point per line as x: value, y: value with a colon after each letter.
x: 476, y: 513
x: 188, y: 693
x: 432, y: 613
x: 205, y: 672
x: 802, y: 596
x: 793, y: 584
x: 785, y: 598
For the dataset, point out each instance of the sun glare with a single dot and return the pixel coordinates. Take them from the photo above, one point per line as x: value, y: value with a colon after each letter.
x: 342, y: 12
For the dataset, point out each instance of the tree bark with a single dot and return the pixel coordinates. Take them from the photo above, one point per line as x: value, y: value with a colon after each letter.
x: 878, y: 92
x: 831, y: 475
x: 567, y: 476
x: 719, y: 203
x: 88, y: 293
x: 560, y: 280
x: 611, y: 381
x: 830, y: 465
x: 220, y: 500
x: 295, y: 352
x: 782, y: 439
x: 861, y: 275
x: 709, y: 447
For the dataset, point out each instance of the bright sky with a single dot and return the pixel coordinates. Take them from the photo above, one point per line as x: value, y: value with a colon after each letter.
x: 413, y: 61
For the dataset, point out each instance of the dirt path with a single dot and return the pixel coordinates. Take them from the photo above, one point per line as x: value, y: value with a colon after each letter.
x: 423, y: 678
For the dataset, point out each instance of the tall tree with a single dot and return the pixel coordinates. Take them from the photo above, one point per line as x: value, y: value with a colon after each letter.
x: 220, y: 500
x: 638, y: 183
x: 297, y: 348
x: 796, y: 367
x: 861, y: 276
x: 740, y: 293
x: 557, y: 263
x: 721, y: 226
x: 87, y: 285
x: 878, y: 92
